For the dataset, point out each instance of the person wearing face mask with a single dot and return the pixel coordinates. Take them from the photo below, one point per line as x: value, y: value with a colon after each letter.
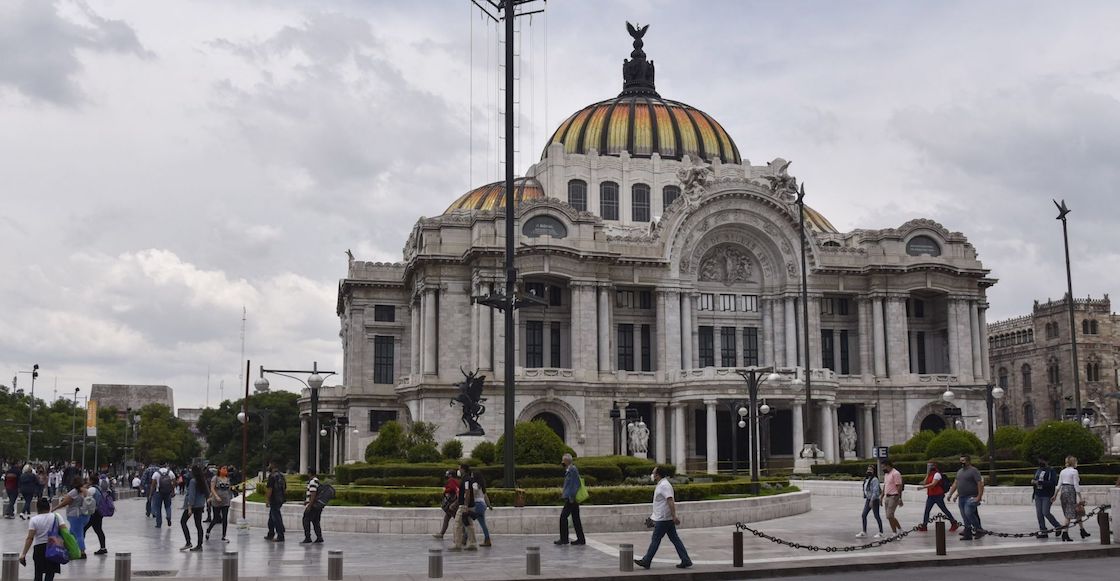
x: 936, y: 485
x: 571, y: 506
x: 1044, y: 484
x: 665, y: 521
x: 464, y: 521
x: 968, y: 487
x: 221, y: 493
x: 871, y: 496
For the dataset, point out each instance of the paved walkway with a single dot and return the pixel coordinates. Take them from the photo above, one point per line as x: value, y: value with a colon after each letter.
x: 833, y: 521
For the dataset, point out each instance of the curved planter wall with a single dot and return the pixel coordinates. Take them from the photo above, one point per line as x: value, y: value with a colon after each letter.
x: 535, y: 519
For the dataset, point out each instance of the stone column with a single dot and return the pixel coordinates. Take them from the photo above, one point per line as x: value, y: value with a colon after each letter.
x: 867, y: 431
x: 659, y: 454
x: 798, y: 430
x: 898, y: 339
x: 485, y: 333
x: 974, y: 328
x: 672, y: 332
x: 814, y: 340
x: 792, y: 334
x: 878, y: 338
x: 623, y: 439
x: 414, y: 354
x: 954, y: 339
x: 981, y: 314
x: 604, y: 329
x: 835, y: 421
x: 778, y: 330
x: 429, y: 309
x: 866, y: 368
x: 827, y: 430
x: 766, y: 349
x: 686, y: 330
x: 303, y: 452
x: 713, y: 442
x: 333, y: 458
x: 680, y: 456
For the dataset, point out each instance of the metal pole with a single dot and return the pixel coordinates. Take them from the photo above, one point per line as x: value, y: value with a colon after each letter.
x: 31, y: 409
x: 122, y: 567
x: 734, y: 438
x: 74, y: 424
x: 807, y: 414
x: 9, y: 569
x: 314, y: 463
x: 991, y: 435
x: 245, y: 443
x: 1062, y: 211
x: 752, y: 387
x: 229, y: 566
x: 511, y: 271
x: 334, y: 565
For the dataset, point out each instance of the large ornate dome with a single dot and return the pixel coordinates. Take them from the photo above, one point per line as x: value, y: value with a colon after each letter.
x: 639, y: 121
x: 493, y: 196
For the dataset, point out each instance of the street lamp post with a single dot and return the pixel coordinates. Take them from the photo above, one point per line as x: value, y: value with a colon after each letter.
x: 313, y: 383
x: 34, y: 373
x: 74, y: 424
x: 992, y: 393
x: 754, y: 377
x: 1063, y: 210
x: 807, y: 415
x: 736, y: 407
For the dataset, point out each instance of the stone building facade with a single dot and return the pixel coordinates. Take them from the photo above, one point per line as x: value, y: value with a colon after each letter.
x: 665, y: 262
x: 1031, y: 358
x: 124, y: 397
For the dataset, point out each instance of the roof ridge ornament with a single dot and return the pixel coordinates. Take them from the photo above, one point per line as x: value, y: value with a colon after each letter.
x: 638, y: 73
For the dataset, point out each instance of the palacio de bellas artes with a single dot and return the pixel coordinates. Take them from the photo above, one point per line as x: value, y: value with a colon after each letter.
x: 658, y: 260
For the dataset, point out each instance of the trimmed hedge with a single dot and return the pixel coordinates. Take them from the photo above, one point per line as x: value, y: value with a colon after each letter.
x: 603, y: 470
x: 954, y: 442
x: 1054, y: 440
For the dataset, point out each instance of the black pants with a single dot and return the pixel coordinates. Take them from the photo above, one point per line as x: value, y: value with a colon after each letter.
x: 44, y: 569
x: 275, y: 523
x: 311, y: 518
x: 221, y: 514
x: 27, y: 496
x: 572, y: 509
x: 197, y: 512
x: 94, y: 522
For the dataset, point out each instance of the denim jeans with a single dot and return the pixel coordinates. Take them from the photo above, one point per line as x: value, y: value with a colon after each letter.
x: 480, y: 514
x: 970, y: 514
x: 78, y: 529
x: 162, y: 508
x: 1042, y: 511
x: 660, y: 529
x: 871, y: 506
x: 275, y: 522
x: 938, y: 501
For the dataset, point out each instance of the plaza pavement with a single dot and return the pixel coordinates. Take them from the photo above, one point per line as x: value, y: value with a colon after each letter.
x: 832, y: 522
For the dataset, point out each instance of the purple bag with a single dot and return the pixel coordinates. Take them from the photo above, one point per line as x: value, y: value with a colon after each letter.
x: 56, y: 550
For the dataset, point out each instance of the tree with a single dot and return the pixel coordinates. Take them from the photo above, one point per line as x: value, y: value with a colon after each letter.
x: 953, y: 443
x: 165, y: 438
x: 223, y: 432
x: 1054, y: 440
x: 535, y: 443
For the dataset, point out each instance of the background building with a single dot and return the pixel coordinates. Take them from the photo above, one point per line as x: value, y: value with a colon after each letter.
x: 123, y: 397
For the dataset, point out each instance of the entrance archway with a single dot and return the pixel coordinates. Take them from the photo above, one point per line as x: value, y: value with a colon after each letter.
x: 553, y: 421
x: 933, y: 422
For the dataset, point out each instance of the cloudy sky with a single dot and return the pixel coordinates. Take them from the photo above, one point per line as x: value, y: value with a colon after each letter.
x: 165, y: 164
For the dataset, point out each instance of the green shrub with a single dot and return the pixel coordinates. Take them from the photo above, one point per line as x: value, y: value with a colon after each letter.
x: 535, y: 443
x: 420, y: 433
x: 1009, y: 437
x: 897, y: 449
x: 918, y: 443
x: 954, y: 443
x: 390, y: 443
x: 484, y: 453
x: 452, y: 449
x: 1054, y: 440
x: 410, y: 481
x: 424, y: 453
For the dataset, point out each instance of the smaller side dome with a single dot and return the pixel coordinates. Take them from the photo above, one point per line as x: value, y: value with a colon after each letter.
x: 493, y: 196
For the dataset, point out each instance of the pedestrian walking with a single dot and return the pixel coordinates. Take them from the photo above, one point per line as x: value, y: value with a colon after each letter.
x: 450, y: 503
x: 147, y: 490
x: 571, y: 505
x: 312, y: 510
x: 665, y: 521
x: 194, y: 502
x: 38, y: 532
x: 464, y: 525
x: 481, y: 505
x: 28, y: 489
x: 79, y: 507
x: 968, y: 487
x: 872, y: 494
x: 892, y: 494
x: 275, y: 489
x: 96, y: 519
x: 221, y: 494
x: 163, y: 490
x: 936, y: 484
x: 1073, y: 504
x: 54, y: 480
x: 41, y: 473
x: 11, y: 487
x: 1045, y: 484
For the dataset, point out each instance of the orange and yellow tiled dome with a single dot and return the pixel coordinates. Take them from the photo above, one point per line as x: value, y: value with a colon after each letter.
x: 492, y: 196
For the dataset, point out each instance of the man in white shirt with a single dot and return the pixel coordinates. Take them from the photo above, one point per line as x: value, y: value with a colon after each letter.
x: 665, y: 521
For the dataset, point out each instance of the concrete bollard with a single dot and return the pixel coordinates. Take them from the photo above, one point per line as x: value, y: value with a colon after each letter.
x: 9, y: 567
x: 334, y: 565
x: 626, y: 557
x: 939, y: 533
x: 737, y: 549
x: 532, y: 560
x: 229, y: 566
x: 122, y: 568
x: 435, y: 563
x: 1106, y: 529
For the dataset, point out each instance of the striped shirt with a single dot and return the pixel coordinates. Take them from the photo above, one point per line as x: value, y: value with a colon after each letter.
x: 312, y: 486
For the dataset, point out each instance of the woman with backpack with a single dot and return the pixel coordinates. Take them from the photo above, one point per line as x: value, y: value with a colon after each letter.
x: 872, y: 493
x: 79, y: 505
x: 194, y: 502
x: 221, y: 494
x: 936, y: 485
x: 97, y: 517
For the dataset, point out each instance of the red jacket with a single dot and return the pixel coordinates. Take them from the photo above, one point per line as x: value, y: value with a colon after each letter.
x: 936, y: 489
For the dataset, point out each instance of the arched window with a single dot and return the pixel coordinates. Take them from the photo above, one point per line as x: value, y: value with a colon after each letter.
x: 1028, y: 415
x: 1092, y: 371
x: 1053, y: 373
x: 1085, y: 326
x: 1005, y: 415
x: 1093, y: 327
x: 669, y: 194
x: 577, y: 195
x: 1026, y: 371
x: 923, y: 245
x: 1003, y: 377
x: 1056, y: 409
x: 639, y: 203
x: 608, y: 201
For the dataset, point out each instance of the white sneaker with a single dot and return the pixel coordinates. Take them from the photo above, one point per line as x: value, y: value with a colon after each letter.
x: 878, y: 535
x: 861, y: 534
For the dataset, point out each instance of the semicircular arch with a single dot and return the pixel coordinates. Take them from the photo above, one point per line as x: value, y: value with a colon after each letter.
x: 559, y: 408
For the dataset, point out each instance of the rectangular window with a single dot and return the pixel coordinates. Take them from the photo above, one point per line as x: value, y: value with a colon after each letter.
x: 640, y: 202
x: 626, y: 347
x: 645, y: 300
x: 842, y: 306
x: 919, y: 309
x: 383, y: 359
x: 624, y: 299
x: 845, y: 365
x: 534, y: 344
x: 827, y: 346
x: 554, y: 344
x: 669, y: 194
x: 555, y: 296
x: 647, y: 351
x: 727, y: 350
x: 384, y: 313
x: 748, y: 303
x: 577, y: 195
x: 377, y: 418
x: 707, y: 346
x: 608, y: 201
x: 727, y: 302
x: 921, y: 348
x: 707, y: 302
x: 536, y: 289
x: 826, y: 306
x: 750, y: 346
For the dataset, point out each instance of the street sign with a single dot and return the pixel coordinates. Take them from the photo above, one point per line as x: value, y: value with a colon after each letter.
x: 881, y: 452
x: 952, y: 412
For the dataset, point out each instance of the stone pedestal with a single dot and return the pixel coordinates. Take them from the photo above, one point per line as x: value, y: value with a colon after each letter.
x: 469, y: 443
x: 809, y: 456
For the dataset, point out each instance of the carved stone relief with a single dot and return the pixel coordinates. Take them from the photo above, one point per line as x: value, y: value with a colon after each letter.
x: 725, y: 264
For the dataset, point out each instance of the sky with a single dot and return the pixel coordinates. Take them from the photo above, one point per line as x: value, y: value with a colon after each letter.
x: 165, y: 165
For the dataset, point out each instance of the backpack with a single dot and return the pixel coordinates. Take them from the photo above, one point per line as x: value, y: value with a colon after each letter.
x: 88, y: 506
x: 105, y: 503
x: 944, y: 483
x: 166, y: 484
x: 326, y: 493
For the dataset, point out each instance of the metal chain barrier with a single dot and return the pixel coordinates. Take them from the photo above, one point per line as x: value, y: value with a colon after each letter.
x: 1047, y: 531
x: 844, y: 549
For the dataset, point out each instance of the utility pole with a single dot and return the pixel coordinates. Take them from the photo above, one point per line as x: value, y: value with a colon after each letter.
x: 1063, y: 210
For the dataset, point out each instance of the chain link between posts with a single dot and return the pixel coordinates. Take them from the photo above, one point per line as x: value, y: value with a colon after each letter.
x: 900, y: 536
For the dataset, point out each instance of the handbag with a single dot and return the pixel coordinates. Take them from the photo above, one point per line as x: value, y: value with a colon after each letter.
x: 56, y: 551
x: 71, y: 543
x: 582, y: 494
x: 649, y: 523
x: 1080, y: 510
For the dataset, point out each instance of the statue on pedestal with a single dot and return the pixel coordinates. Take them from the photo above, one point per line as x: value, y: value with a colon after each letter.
x: 848, y: 439
x: 638, y: 434
x: 470, y: 397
